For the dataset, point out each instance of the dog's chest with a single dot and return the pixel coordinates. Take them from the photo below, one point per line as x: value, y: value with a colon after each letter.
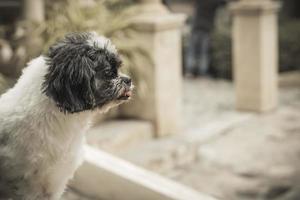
x: 60, y: 158
x: 65, y: 166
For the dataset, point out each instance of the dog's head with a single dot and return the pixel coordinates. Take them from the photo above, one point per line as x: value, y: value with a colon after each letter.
x: 83, y: 74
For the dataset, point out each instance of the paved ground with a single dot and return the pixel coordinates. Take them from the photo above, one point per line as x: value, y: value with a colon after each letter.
x: 207, y: 101
x: 257, y: 159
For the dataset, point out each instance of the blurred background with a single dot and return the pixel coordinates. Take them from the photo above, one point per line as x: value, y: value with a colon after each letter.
x: 216, y: 106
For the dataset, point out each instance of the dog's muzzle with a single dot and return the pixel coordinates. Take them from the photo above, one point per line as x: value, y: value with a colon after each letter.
x: 127, y: 91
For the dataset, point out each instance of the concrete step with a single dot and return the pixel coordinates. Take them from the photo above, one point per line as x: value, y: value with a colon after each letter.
x: 116, y: 135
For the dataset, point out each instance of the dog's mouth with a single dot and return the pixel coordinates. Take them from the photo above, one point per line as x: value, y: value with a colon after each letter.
x: 126, y: 94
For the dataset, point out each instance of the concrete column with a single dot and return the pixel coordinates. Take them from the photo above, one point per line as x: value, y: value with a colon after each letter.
x: 34, y: 10
x: 159, y: 32
x: 255, y: 54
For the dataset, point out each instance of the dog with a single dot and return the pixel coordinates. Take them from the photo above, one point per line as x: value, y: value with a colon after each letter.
x: 44, y: 117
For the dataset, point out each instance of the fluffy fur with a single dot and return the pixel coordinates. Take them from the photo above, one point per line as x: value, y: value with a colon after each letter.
x: 43, y: 118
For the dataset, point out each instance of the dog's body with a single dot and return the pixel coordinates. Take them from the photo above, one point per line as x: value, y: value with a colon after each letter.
x: 42, y: 133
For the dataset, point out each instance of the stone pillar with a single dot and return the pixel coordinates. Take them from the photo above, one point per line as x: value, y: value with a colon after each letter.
x: 34, y: 10
x: 159, y: 32
x: 255, y: 49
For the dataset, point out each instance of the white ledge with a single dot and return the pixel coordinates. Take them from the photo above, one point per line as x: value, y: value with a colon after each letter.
x: 110, y: 178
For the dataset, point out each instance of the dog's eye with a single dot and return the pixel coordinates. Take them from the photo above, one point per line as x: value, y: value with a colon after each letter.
x: 110, y: 73
x: 117, y: 63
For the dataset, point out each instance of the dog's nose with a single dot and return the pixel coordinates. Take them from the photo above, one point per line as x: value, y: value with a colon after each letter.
x: 127, y: 80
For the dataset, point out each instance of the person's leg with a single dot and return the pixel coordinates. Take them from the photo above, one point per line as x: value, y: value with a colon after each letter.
x: 166, y: 2
x: 202, y: 53
x: 190, y: 54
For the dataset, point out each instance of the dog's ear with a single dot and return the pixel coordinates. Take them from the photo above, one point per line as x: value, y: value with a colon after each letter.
x: 70, y: 78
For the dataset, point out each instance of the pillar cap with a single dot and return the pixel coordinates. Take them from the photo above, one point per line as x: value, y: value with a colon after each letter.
x: 146, y: 7
x: 152, y: 15
x: 254, y: 7
x: 159, y: 23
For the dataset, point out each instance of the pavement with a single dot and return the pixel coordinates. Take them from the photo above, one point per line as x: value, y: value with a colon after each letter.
x: 255, y: 159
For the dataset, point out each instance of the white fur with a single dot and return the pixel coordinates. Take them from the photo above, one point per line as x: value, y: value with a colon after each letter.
x: 48, y: 141
x: 102, y: 43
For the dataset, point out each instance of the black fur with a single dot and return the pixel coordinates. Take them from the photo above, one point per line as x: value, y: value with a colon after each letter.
x: 82, y: 76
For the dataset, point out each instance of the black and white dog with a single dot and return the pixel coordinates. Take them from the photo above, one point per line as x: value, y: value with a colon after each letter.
x: 43, y: 118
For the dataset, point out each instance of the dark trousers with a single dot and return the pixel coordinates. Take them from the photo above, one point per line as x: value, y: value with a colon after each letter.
x: 197, y: 54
